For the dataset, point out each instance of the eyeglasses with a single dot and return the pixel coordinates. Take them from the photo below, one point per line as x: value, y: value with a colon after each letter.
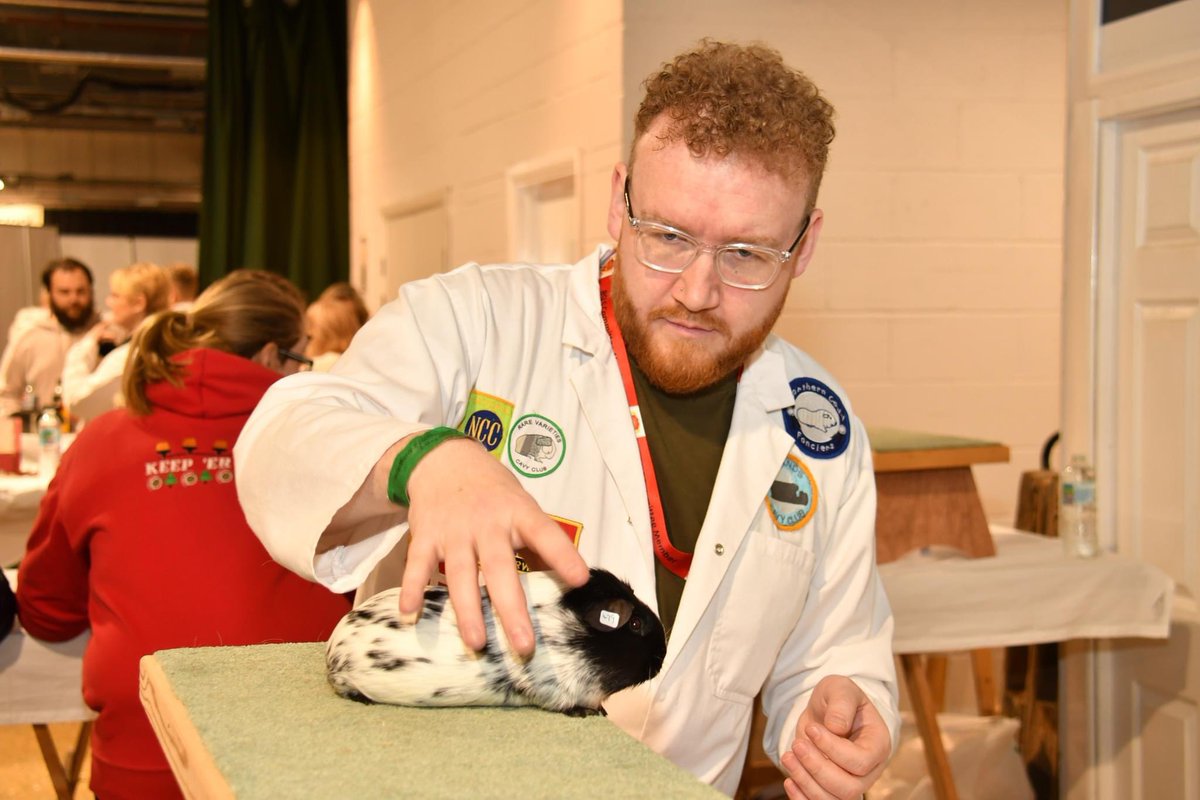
x: 742, y: 266
x: 305, y: 362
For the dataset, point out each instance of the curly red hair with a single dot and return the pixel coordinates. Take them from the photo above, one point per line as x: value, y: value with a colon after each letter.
x: 722, y: 98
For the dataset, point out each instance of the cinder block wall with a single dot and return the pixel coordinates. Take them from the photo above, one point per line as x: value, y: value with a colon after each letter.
x: 446, y: 97
x: 935, y: 293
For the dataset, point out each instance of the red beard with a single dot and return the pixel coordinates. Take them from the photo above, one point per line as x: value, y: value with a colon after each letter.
x: 683, y: 367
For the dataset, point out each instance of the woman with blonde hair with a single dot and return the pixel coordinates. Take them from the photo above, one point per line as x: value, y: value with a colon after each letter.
x: 333, y: 319
x: 141, y: 537
x: 91, y: 377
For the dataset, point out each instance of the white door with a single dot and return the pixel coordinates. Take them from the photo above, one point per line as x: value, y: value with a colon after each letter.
x: 417, y: 239
x: 1131, y: 384
x: 1148, y: 694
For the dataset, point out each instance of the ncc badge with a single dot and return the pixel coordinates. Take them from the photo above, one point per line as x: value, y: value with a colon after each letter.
x: 486, y: 420
x: 817, y: 419
x: 536, y: 446
x: 793, y: 495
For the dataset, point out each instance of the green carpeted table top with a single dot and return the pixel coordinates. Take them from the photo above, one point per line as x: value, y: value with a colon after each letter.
x: 892, y: 439
x: 276, y: 729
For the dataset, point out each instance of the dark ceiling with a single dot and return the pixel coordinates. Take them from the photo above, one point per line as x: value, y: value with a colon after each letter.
x: 103, y: 64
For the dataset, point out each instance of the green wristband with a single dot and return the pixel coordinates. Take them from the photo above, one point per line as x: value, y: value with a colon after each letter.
x: 408, y: 458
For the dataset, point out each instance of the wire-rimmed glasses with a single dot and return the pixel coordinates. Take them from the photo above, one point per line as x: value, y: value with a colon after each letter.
x: 741, y: 265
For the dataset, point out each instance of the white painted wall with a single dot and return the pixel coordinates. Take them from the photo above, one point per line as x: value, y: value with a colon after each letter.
x: 445, y: 97
x: 935, y: 293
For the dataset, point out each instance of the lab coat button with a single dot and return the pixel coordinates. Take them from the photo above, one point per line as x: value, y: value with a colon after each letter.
x: 719, y: 549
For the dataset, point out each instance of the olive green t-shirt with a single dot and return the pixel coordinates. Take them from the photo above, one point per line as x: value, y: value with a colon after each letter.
x: 687, y: 436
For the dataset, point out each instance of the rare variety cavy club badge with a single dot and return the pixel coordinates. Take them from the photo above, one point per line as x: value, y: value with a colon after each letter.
x: 591, y: 642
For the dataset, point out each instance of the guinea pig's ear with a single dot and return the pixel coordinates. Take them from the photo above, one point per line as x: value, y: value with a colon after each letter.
x: 609, y: 616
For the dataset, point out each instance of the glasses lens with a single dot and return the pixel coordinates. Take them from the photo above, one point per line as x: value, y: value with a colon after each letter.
x: 746, y: 266
x: 664, y: 248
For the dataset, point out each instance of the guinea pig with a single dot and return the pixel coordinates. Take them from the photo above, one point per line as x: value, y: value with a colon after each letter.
x: 590, y: 642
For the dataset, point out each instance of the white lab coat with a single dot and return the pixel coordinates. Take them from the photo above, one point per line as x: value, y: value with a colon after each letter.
x: 763, y: 608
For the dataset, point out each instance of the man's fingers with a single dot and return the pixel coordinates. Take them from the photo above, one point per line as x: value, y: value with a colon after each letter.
x: 462, y: 578
x: 507, y: 595
x: 856, y: 757
x: 419, y: 566
x: 839, y: 699
x: 539, y: 533
x: 801, y: 784
x: 818, y: 777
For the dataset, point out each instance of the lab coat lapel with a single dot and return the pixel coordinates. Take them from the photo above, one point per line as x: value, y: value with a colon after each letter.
x: 603, y: 401
x: 757, y: 445
x: 597, y: 383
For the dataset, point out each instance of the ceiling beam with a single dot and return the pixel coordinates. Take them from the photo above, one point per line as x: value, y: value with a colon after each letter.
x: 180, y: 65
x: 140, y: 9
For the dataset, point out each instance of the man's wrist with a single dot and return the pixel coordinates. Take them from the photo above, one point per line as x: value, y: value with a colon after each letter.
x: 410, y: 455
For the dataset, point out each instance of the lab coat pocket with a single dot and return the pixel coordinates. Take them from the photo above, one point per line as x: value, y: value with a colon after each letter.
x: 769, y: 585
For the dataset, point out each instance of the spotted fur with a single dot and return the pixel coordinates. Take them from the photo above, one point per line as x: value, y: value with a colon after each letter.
x: 577, y: 663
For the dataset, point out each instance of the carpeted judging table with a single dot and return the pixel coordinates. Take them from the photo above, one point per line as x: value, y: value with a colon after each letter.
x: 261, y: 721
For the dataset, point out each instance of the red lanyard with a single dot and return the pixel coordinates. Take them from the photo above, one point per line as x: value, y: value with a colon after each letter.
x: 676, y: 561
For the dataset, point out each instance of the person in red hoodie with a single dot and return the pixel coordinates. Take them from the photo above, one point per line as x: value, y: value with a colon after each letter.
x: 140, y: 535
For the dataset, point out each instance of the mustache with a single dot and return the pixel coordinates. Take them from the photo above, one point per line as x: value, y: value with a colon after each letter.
x: 698, y: 319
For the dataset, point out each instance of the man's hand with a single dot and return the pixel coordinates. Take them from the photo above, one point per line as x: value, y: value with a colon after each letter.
x: 842, y: 744
x: 471, y: 513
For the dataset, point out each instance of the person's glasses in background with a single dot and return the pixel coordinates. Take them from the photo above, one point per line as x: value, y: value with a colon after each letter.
x: 304, y: 361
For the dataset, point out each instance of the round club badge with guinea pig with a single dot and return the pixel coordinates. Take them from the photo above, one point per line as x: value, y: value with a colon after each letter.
x: 536, y: 446
x: 817, y: 419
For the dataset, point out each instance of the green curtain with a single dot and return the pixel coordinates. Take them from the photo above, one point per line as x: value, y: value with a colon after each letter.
x: 276, y: 185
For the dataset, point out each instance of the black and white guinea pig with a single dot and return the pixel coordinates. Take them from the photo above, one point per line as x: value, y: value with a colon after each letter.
x: 590, y: 642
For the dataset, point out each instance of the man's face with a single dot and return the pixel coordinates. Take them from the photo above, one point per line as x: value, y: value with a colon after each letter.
x: 71, y: 298
x: 688, y: 330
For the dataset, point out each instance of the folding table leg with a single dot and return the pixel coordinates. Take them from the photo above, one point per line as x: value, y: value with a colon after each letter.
x: 935, y: 673
x: 927, y: 724
x: 986, y: 696
x: 79, y: 754
x: 64, y: 778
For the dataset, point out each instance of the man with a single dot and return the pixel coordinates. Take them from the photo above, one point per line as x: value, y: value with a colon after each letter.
x: 37, y: 357
x: 638, y: 397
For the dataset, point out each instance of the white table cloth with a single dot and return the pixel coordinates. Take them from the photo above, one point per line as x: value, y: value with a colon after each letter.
x: 1028, y: 593
x: 39, y: 681
x: 20, y: 496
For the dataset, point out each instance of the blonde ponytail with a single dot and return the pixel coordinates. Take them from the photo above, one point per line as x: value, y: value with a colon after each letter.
x: 238, y: 314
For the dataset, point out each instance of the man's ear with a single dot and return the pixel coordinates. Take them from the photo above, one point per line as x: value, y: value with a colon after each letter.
x: 267, y: 355
x: 616, y: 203
x: 809, y: 245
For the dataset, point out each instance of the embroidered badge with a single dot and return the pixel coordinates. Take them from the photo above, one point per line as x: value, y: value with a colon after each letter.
x: 817, y: 419
x: 486, y: 420
x: 635, y: 414
x: 793, y: 495
x: 536, y: 446
x: 529, y: 561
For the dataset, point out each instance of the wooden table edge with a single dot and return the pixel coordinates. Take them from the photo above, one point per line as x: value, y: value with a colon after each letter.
x: 194, y: 767
x: 938, y: 458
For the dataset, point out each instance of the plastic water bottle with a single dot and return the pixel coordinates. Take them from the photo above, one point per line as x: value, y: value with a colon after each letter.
x: 1077, y: 511
x: 49, y: 432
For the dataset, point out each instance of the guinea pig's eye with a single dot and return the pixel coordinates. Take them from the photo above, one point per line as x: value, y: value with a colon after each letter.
x: 635, y: 624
